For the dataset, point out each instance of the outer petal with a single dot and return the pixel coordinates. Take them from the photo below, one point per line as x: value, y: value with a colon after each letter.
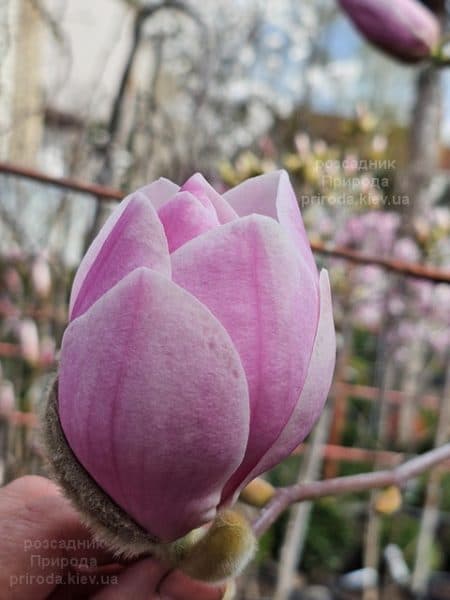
x: 272, y: 195
x: 157, y: 193
x: 198, y: 186
x: 154, y: 403
x: 315, y: 389
x: 185, y: 217
x: 248, y: 274
x: 160, y: 191
x: 137, y: 239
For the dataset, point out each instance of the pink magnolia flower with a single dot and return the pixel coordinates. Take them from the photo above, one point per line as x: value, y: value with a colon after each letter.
x: 200, y: 350
x: 404, y: 29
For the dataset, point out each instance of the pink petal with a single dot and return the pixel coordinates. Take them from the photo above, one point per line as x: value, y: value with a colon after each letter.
x: 136, y: 239
x: 272, y: 194
x: 153, y: 401
x: 198, y: 186
x: 157, y: 192
x: 185, y: 217
x: 248, y: 274
x: 160, y: 191
x: 315, y: 389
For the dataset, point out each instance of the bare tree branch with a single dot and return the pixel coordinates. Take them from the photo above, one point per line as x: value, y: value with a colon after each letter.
x: 286, y: 496
x: 142, y: 15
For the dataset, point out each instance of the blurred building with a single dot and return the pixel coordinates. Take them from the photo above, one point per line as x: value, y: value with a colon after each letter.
x: 21, y: 93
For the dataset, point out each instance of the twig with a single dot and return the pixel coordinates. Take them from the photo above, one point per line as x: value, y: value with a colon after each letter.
x: 286, y: 496
x: 106, y: 194
x: 410, y: 269
x: 142, y: 15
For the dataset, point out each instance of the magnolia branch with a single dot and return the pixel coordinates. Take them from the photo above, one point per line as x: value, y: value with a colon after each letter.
x: 286, y: 496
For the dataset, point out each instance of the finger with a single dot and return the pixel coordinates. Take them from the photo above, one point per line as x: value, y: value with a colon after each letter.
x: 178, y: 586
x: 139, y: 581
x: 44, y: 513
x: 83, y: 583
x: 41, y: 535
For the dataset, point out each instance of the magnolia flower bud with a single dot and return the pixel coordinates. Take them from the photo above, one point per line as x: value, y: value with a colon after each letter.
x: 388, y: 501
x: 404, y: 29
x: 257, y: 493
x: 199, y: 354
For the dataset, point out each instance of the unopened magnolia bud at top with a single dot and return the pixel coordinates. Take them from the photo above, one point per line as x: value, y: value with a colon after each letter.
x: 405, y: 29
x: 200, y: 350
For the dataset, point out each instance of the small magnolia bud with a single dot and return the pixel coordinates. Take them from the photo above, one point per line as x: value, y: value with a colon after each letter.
x: 257, y: 493
x: 389, y: 500
x: 224, y: 551
x: 404, y: 29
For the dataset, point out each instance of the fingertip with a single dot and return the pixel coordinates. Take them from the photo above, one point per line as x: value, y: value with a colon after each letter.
x: 32, y: 486
x: 139, y: 581
x: 178, y: 586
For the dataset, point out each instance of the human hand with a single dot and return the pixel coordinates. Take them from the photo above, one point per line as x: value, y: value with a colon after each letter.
x: 46, y: 552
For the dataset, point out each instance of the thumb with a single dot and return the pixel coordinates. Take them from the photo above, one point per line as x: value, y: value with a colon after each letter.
x: 139, y: 581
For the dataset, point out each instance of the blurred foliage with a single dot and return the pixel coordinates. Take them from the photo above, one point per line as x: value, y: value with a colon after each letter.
x: 330, y: 553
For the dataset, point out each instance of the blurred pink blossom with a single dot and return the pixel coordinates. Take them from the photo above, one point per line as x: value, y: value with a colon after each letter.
x: 47, y: 351
x: 406, y: 249
x: 368, y: 315
x: 13, y: 281
x: 7, y: 397
x: 41, y: 277
x: 29, y: 340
